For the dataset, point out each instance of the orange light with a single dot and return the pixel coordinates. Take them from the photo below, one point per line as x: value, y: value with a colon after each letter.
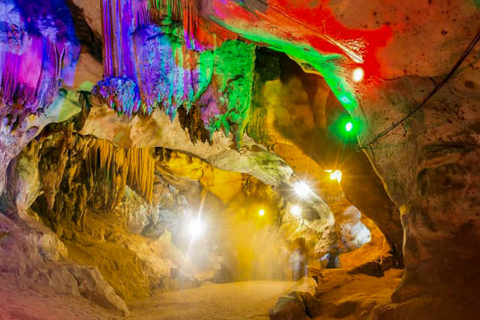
x: 336, y: 175
x: 358, y: 74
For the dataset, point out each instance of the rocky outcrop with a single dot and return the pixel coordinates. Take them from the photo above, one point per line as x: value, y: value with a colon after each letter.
x: 297, y: 305
x: 34, y: 254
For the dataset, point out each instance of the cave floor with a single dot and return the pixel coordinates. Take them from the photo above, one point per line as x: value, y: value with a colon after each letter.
x: 230, y: 301
x: 342, y: 295
x: 28, y: 301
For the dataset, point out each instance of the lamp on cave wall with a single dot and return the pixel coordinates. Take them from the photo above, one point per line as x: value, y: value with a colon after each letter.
x: 302, y: 189
x: 336, y: 175
x: 296, y: 210
x: 349, y: 126
x: 346, y: 128
x: 358, y: 74
x: 261, y: 212
x: 196, y: 227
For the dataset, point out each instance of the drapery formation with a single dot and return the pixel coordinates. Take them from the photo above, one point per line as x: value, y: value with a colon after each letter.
x: 119, y: 167
x: 149, y: 64
x: 178, y: 10
x: 34, y: 58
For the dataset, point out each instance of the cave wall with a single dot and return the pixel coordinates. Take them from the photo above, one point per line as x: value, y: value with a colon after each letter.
x: 432, y: 180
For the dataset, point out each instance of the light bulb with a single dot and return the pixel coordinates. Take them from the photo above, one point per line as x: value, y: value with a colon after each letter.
x: 296, y: 210
x: 302, y: 189
x: 358, y: 74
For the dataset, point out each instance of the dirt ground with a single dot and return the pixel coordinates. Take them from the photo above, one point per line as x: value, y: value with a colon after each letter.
x: 232, y: 301
x: 342, y: 296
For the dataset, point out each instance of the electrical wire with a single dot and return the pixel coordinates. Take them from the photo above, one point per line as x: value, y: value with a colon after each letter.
x: 437, y: 88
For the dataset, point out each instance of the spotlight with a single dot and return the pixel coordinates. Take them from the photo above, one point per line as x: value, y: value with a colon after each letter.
x: 358, y: 74
x: 302, y: 189
x: 349, y: 126
x: 196, y: 227
x: 261, y: 212
x: 336, y: 175
x: 296, y: 211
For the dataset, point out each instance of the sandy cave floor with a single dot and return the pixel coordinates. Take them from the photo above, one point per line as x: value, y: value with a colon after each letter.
x: 232, y: 301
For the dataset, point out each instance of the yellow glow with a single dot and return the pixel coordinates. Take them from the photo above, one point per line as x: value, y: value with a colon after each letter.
x: 302, y: 189
x: 261, y: 212
x: 336, y: 175
x: 358, y: 74
x: 296, y: 210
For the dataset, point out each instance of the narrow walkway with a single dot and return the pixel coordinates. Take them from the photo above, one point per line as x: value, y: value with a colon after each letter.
x: 231, y: 301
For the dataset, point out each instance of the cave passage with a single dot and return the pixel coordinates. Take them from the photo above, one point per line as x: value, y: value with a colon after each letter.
x: 239, y: 159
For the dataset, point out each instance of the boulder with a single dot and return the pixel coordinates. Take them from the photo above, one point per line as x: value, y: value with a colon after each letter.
x: 288, y: 308
x: 93, y: 287
x: 311, y: 304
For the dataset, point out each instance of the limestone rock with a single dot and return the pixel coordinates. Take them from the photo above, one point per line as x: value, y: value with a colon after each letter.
x: 312, y: 304
x: 288, y: 308
x: 372, y: 268
x: 92, y: 286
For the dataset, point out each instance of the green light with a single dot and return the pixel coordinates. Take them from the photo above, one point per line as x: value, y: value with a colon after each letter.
x: 346, y: 128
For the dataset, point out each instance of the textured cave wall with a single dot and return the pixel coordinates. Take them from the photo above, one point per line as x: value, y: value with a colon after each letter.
x: 38, y: 54
x: 429, y: 165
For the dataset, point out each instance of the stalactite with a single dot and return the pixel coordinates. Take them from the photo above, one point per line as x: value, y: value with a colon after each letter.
x: 166, y: 8
x: 134, y: 167
x: 33, y: 61
x: 144, y: 66
x: 178, y: 10
x: 148, y: 65
x: 190, y: 22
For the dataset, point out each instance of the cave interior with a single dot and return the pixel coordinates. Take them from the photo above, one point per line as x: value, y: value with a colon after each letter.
x: 239, y: 159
